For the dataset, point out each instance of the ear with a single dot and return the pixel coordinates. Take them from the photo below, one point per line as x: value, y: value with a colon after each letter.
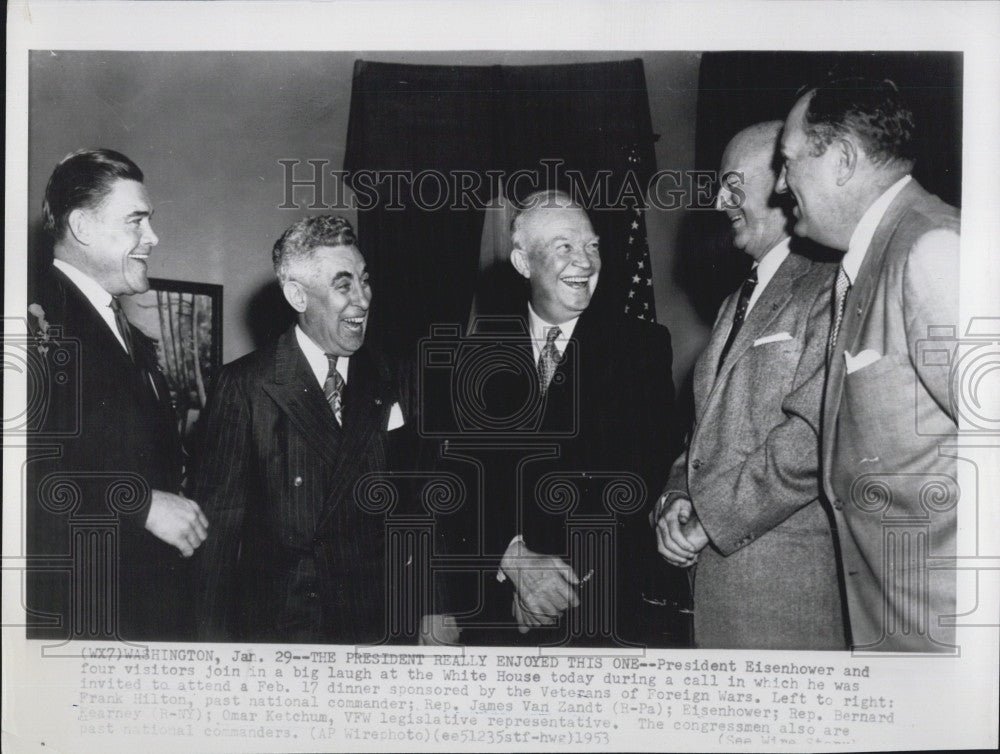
x: 519, y: 258
x: 295, y: 295
x: 78, y: 223
x: 847, y: 160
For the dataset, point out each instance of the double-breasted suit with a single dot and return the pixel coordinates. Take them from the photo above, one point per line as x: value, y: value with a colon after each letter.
x: 889, y: 416
x: 768, y: 578
x: 104, y: 441
x: 296, y: 551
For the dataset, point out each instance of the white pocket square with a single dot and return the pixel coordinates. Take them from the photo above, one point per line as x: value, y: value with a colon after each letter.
x: 395, y: 418
x: 863, y: 359
x: 775, y: 338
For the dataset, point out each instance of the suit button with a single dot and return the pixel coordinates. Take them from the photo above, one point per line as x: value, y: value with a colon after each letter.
x: 311, y: 595
x: 696, y: 464
x: 297, y: 481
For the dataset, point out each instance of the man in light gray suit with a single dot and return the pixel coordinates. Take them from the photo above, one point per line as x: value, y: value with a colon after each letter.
x: 889, y: 415
x: 742, y: 500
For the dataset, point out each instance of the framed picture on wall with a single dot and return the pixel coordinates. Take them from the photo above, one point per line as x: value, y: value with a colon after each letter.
x: 185, y: 321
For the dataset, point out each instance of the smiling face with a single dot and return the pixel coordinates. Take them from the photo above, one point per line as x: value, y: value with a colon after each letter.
x: 811, y: 179
x: 332, y: 294
x: 557, y: 251
x: 747, y: 193
x: 117, y: 238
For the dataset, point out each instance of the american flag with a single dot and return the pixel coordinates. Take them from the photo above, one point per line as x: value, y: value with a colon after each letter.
x: 639, y: 300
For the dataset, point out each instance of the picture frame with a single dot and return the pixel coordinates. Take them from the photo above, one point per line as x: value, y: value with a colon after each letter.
x: 184, y: 320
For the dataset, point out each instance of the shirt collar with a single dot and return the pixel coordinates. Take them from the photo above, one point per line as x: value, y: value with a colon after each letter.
x: 317, y: 357
x: 539, y: 329
x: 863, y: 234
x: 771, y: 261
x: 96, y: 295
x: 766, y: 267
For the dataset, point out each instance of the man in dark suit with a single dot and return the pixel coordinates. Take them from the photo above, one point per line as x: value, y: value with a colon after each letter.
x: 743, y: 500
x: 106, y: 463
x: 596, y: 398
x: 297, y: 552
x: 889, y: 413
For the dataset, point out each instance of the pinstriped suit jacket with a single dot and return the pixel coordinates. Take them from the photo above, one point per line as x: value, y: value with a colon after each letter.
x: 290, y: 556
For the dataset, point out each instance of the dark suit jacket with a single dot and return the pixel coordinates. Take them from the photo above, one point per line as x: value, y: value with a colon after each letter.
x: 293, y: 554
x: 102, y: 442
x: 769, y: 577
x: 887, y: 422
x: 601, y: 444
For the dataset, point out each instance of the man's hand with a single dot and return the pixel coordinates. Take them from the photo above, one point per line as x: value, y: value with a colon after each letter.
x: 545, y: 585
x: 177, y: 521
x: 679, y: 534
x: 438, y: 629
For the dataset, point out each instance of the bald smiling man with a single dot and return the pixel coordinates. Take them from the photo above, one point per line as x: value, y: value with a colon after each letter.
x: 743, y: 500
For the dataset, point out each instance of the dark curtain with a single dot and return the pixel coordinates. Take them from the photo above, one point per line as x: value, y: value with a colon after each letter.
x: 462, y: 122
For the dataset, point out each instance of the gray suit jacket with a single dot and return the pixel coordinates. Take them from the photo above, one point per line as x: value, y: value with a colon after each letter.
x: 769, y: 576
x: 886, y: 426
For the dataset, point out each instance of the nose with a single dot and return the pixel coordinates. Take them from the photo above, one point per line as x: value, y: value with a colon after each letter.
x: 583, y: 258
x: 362, y: 296
x: 719, y: 201
x: 782, y: 185
x: 149, y: 236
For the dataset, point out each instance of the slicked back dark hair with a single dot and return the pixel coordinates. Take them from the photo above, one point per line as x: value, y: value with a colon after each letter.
x: 872, y: 110
x: 298, y: 243
x: 83, y: 179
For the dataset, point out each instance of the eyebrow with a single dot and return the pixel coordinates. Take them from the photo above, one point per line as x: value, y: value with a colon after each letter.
x: 344, y: 274
x: 140, y: 213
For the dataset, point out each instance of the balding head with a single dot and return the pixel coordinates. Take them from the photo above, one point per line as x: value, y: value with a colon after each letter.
x: 748, y: 173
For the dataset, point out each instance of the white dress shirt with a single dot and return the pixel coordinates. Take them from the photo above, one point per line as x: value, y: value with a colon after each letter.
x: 99, y: 298
x: 539, y: 330
x: 863, y: 234
x: 766, y: 267
x: 316, y: 357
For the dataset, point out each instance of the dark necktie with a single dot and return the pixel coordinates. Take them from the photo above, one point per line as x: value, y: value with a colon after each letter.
x: 746, y: 291
x: 333, y: 389
x: 123, y: 328
x: 840, y: 290
x: 548, y: 359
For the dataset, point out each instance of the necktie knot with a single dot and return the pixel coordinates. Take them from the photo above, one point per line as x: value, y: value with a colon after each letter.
x: 333, y: 388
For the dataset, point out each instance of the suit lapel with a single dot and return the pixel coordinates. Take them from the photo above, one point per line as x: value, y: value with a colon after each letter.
x: 859, y: 300
x: 367, y: 402
x: 103, y: 347
x: 773, y: 299
x: 295, y: 390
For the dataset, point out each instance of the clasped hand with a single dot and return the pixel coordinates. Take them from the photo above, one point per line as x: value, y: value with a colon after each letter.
x: 679, y: 534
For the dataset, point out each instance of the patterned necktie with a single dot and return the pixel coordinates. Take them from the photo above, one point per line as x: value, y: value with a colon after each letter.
x: 548, y: 359
x: 123, y: 328
x: 333, y: 389
x: 840, y: 290
x: 746, y: 291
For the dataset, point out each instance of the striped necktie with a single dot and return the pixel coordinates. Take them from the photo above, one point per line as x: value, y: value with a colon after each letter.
x: 333, y: 389
x: 123, y: 328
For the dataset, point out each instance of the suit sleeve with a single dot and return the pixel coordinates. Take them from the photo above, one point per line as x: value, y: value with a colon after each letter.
x: 222, y: 489
x: 737, y: 505
x: 930, y: 299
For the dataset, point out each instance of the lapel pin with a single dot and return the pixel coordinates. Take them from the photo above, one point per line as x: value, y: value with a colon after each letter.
x: 378, y: 401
